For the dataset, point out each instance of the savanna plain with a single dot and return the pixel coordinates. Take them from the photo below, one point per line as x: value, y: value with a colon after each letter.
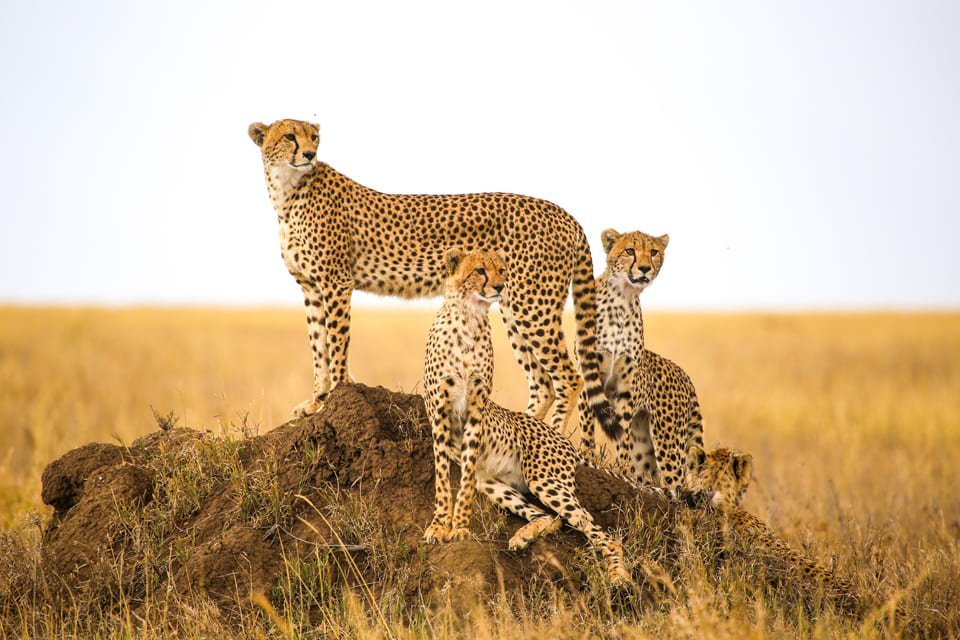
x: 853, y: 421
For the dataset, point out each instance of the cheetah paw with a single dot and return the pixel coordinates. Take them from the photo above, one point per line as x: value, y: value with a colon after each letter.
x: 435, y: 534
x: 306, y: 408
x: 458, y: 534
x: 533, y: 530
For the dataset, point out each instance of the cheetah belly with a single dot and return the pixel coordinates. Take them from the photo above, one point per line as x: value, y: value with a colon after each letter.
x: 503, y: 465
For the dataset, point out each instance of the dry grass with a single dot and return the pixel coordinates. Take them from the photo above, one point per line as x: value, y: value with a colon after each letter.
x: 853, y: 420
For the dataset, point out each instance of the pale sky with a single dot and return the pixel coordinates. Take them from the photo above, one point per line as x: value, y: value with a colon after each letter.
x: 800, y: 155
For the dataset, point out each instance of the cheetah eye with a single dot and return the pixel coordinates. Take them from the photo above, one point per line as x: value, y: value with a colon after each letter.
x: 481, y: 271
x: 290, y: 137
x: 314, y: 137
x: 629, y: 252
x: 654, y: 253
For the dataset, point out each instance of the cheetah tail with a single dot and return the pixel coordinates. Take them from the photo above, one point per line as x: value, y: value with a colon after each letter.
x: 585, y: 312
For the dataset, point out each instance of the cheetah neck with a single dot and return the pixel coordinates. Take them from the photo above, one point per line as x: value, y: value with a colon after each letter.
x: 620, y: 321
x: 471, y: 318
x: 284, y: 186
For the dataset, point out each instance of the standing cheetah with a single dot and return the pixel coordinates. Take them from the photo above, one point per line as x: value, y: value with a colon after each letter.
x: 502, y: 452
x: 337, y: 235
x: 651, y: 395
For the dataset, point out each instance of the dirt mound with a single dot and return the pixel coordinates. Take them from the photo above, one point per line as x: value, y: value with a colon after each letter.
x: 338, y: 499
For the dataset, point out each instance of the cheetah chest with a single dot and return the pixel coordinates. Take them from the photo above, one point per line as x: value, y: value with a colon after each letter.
x: 620, y: 343
x: 288, y: 248
x: 465, y: 361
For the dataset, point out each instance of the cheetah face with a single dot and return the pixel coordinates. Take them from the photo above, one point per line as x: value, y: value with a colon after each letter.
x: 722, y: 475
x: 478, y: 276
x: 287, y: 144
x: 633, y: 259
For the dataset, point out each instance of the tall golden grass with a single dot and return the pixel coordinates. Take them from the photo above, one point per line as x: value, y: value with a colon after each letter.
x: 853, y: 419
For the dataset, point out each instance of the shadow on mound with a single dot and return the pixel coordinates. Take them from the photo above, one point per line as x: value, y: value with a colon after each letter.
x: 340, y: 500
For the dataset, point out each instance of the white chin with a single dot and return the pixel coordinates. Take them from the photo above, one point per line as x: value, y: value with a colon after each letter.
x: 483, y: 302
x: 633, y: 287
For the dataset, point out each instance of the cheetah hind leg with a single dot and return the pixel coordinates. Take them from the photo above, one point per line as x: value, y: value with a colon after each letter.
x: 534, y: 529
x: 559, y: 496
x: 540, y: 386
x: 509, y: 499
x: 315, y: 404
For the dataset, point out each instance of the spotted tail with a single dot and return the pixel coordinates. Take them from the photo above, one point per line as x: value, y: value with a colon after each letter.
x: 585, y: 312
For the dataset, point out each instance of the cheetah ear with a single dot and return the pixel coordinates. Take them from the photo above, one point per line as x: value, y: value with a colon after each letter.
x: 664, y: 240
x: 257, y: 132
x: 609, y: 237
x: 503, y: 256
x: 743, y: 466
x: 452, y: 257
x: 696, y: 456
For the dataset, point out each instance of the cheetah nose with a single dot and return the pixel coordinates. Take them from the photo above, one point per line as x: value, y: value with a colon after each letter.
x: 309, y: 155
x: 498, y: 288
x: 644, y: 269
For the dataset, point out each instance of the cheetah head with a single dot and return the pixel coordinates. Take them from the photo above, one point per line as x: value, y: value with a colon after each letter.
x: 634, y: 258
x: 290, y: 145
x: 722, y: 476
x: 478, y: 277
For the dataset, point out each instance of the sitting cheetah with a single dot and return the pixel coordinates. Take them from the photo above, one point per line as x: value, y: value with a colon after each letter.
x: 719, y: 479
x: 502, y: 452
x: 337, y: 235
x: 649, y: 393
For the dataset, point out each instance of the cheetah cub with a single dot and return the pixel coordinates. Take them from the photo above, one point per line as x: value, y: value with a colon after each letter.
x: 719, y: 479
x: 654, y: 399
x: 503, y: 453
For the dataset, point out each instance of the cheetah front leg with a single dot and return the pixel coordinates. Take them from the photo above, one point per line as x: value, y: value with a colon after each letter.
x: 445, y: 446
x: 336, y: 318
x: 625, y: 398
x: 317, y: 334
x: 477, y: 395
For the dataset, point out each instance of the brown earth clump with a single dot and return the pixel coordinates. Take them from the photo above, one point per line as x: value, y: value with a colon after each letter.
x: 341, y: 498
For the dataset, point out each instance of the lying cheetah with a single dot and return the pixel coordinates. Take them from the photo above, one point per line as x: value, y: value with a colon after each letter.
x: 649, y: 393
x: 337, y: 235
x: 502, y: 452
x: 719, y: 479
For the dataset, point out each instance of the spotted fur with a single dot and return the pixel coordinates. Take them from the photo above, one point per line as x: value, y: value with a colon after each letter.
x: 337, y: 235
x: 721, y: 477
x: 502, y: 453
